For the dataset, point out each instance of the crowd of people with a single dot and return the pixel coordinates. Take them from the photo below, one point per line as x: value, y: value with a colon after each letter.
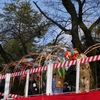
x: 64, y: 87
x: 34, y: 89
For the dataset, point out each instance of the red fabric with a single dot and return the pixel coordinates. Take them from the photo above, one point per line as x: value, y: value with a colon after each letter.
x: 66, y: 53
x: 94, y: 95
x: 74, y: 56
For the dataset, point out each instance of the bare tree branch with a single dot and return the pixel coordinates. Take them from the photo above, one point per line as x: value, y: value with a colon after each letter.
x: 64, y: 29
x: 57, y: 38
x: 95, y: 23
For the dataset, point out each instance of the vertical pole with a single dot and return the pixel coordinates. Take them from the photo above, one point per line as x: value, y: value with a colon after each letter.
x: 77, y: 75
x: 49, y: 79
x: 27, y: 83
x: 6, y: 89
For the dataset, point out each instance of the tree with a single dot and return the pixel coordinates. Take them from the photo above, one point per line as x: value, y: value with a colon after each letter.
x: 77, y: 14
x: 21, y: 26
x: 97, y: 30
x: 83, y: 14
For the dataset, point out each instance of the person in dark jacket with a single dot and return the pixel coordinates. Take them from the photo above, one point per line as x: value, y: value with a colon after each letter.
x: 65, y: 89
x: 33, y: 88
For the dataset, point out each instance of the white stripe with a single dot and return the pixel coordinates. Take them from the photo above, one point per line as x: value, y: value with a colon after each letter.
x: 36, y: 69
x: 58, y: 65
x: 41, y: 68
x: 90, y: 59
x: 62, y: 65
x: 94, y: 59
x: 45, y: 68
x: 99, y: 57
x: 73, y: 62
x: 33, y: 70
x: 66, y: 63
x: 55, y: 65
x: 12, y: 95
x: 22, y: 72
x: 9, y: 94
x: 15, y: 96
x: 86, y: 60
x: 82, y: 61
x: 70, y: 63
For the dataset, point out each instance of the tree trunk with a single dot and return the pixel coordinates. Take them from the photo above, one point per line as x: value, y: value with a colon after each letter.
x: 75, y: 37
x: 4, y: 55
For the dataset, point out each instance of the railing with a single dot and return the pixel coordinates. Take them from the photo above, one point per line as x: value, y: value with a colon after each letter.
x: 49, y: 69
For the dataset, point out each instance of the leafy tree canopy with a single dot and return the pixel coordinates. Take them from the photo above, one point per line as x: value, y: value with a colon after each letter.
x: 20, y: 28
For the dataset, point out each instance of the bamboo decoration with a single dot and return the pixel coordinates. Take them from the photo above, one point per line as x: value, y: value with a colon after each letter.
x: 50, y: 54
x: 86, y: 77
x: 59, y: 81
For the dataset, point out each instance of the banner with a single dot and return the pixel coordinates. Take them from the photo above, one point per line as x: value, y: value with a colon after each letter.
x: 94, y: 95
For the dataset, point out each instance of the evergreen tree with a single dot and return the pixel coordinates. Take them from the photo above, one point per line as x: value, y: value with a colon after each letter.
x: 20, y: 28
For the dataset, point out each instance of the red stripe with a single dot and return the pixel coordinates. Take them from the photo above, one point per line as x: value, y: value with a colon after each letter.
x: 92, y: 58
x: 68, y: 63
x: 73, y: 62
x: 97, y: 58
x: 84, y: 60
x: 64, y: 63
x: 61, y: 65
x: 55, y: 65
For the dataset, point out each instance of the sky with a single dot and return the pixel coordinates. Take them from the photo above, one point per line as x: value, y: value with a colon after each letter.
x: 66, y: 37
x: 2, y: 4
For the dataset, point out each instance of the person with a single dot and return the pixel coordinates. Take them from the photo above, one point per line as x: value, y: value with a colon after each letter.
x: 55, y: 87
x: 69, y: 55
x: 33, y: 88
x: 72, y: 54
x: 54, y: 84
x: 65, y: 89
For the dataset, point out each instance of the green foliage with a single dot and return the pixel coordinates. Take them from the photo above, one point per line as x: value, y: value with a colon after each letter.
x: 21, y: 27
x: 61, y: 71
x: 13, y: 49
